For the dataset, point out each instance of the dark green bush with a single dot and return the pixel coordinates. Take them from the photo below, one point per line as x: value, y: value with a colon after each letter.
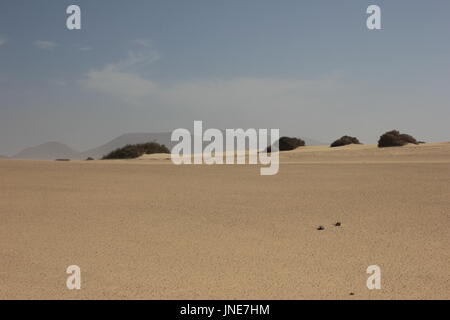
x: 345, y: 140
x: 132, y: 151
x: 396, y: 139
x: 287, y: 143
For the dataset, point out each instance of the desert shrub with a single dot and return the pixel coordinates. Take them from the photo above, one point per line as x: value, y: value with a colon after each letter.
x: 395, y: 139
x: 89, y: 159
x: 345, y: 140
x: 132, y: 151
x: 287, y: 143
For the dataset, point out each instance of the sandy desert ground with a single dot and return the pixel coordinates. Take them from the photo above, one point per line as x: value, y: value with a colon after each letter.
x: 147, y: 229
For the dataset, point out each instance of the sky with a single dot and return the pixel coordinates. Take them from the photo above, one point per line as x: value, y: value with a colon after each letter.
x: 310, y: 68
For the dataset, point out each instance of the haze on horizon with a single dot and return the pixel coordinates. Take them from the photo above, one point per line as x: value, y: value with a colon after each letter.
x: 310, y: 68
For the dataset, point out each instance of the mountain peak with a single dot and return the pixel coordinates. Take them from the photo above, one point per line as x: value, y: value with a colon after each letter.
x: 47, y: 151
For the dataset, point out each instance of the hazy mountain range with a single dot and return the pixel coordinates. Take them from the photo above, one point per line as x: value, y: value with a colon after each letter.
x: 58, y: 150
x: 48, y: 150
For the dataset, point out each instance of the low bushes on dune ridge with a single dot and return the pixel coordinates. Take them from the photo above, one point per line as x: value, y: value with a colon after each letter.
x: 287, y: 143
x: 396, y: 139
x: 345, y: 140
x: 132, y: 151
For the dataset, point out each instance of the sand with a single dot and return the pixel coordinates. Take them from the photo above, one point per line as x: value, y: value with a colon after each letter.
x: 147, y: 229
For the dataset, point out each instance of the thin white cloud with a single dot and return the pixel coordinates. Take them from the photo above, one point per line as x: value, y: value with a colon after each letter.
x: 122, y: 82
x: 251, y: 96
x: 2, y: 41
x: 143, y: 43
x: 135, y: 61
x: 45, y: 45
x: 58, y: 82
x: 85, y: 48
x: 126, y: 86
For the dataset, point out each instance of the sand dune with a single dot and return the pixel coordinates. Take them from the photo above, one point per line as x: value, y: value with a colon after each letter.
x: 431, y: 152
x: 148, y: 229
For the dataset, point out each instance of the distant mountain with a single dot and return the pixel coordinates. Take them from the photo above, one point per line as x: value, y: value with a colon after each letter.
x: 3, y: 157
x: 48, y: 151
x: 129, y: 138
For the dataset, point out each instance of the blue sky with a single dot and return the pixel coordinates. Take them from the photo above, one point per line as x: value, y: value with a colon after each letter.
x: 310, y: 68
